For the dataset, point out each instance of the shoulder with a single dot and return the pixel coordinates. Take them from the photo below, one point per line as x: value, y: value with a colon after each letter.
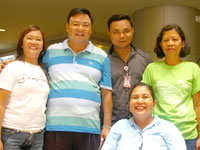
x: 120, y: 126
x: 13, y: 69
x: 56, y: 46
x: 154, y: 65
x: 123, y: 123
x: 144, y: 54
x: 190, y: 67
x: 15, y: 65
x: 166, y: 125
x: 94, y: 49
x: 190, y: 64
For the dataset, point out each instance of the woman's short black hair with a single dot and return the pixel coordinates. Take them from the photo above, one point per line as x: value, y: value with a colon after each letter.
x: 143, y: 84
x: 159, y: 51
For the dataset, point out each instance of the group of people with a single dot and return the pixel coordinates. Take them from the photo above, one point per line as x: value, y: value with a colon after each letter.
x: 78, y: 78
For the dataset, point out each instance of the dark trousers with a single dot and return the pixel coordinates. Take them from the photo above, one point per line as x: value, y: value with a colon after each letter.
x: 55, y: 140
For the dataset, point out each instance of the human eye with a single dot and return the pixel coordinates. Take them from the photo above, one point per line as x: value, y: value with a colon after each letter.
x: 175, y: 39
x: 28, y: 38
x: 165, y: 40
x: 115, y: 32
x: 85, y: 25
x: 145, y: 96
x: 75, y: 24
x: 39, y: 39
x: 126, y: 31
x: 134, y: 97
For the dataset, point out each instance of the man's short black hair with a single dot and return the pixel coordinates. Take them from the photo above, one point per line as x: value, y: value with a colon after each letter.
x: 75, y: 11
x: 118, y: 17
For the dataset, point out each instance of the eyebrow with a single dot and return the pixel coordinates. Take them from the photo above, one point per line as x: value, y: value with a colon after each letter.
x: 33, y: 36
x: 79, y: 22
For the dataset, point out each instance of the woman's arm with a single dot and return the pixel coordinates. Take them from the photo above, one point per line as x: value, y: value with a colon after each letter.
x: 173, y: 138
x: 196, y: 101
x: 4, y: 96
x: 112, y: 139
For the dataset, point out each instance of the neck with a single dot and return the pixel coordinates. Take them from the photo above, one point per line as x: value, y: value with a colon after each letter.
x: 77, y: 46
x: 142, y: 122
x: 31, y: 61
x: 123, y: 52
x: 172, y: 61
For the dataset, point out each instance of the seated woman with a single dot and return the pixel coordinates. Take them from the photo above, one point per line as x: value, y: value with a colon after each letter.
x: 143, y: 131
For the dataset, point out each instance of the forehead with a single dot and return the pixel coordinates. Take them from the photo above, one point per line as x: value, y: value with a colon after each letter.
x: 80, y: 18
x: 141, y: 90
x: 34, y: 33
x: 171, y: 32
x: 120, y: 24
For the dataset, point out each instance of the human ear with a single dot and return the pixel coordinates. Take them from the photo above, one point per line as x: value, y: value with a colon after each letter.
x: 183, y: 43
x: 66, y: 27
x: 154, y: 103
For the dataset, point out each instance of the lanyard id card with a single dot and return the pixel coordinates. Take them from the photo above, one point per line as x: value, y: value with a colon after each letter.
x: 127, y: 81
x: 127, y: 78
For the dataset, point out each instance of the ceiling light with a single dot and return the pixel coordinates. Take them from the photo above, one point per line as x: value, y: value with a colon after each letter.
x: 2, y: 30
x: 197, y: 18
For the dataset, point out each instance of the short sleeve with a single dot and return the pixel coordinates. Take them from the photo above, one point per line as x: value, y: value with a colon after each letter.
x: 46, y: 58
x: 8, y: 77
x: 105, y: 81
x: 146, y: 77
x: 196, y: 80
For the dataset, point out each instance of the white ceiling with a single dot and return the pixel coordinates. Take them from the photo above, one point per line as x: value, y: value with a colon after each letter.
x: 51, y: 16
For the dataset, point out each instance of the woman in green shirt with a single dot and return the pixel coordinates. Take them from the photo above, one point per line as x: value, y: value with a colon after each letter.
x: 176, y: 84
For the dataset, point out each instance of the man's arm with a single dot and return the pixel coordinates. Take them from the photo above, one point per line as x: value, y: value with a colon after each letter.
x: 4, y: 63
x: 196, y: 101
x: 107, y: 104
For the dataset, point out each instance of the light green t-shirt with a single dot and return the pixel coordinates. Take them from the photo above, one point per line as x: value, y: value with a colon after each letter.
x: 174, y: 87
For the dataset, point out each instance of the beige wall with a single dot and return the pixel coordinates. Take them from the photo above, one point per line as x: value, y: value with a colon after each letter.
x: 149, y: 21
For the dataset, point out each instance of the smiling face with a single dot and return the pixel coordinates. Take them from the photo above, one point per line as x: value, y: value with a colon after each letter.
x: 141, y: 102
x: 121, y: 33
x: 32, y: 46
x: 172, y: 43
x: 79, y: 28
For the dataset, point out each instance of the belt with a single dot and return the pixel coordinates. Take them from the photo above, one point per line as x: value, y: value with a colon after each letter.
x: 26, y: 131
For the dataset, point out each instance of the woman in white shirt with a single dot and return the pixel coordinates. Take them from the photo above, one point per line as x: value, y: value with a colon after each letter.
x: 23, y: 94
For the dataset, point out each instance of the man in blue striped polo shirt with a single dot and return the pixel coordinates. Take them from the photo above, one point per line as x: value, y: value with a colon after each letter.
x: 79, y: 80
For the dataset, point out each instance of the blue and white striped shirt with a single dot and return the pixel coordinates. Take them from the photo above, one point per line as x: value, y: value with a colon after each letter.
x: 75, y: 82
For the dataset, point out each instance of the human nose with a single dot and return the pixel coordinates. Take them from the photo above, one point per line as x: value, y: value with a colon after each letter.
x: 121, y: 35
x: 170, y: 42
x: 33, y: 41
x: 80, y: 27
x: 140, y: 100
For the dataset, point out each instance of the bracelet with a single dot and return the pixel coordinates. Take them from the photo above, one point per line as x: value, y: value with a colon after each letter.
x: 107, y: 127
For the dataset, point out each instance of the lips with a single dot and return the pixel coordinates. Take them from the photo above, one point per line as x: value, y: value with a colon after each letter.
x: 33, y: 47
x: 79, y: 34
x: 139, y: 107
x: 170, y: 49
